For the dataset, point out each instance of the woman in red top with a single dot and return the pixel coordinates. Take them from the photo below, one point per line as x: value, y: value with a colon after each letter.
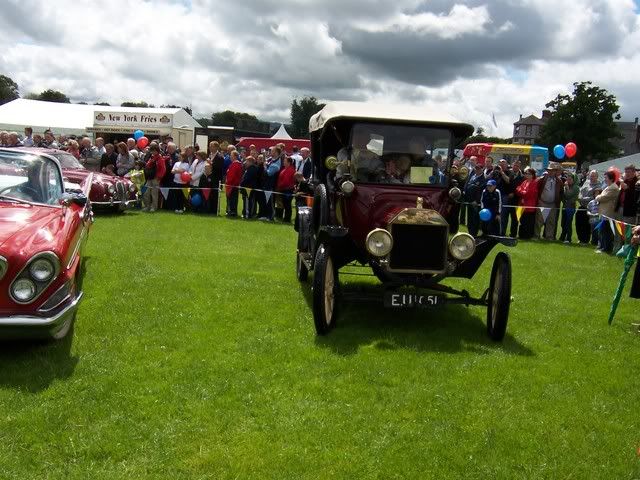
x: 527, y: 193
x: 234, y: 176
x: 286, y: 185
x: 154, y: 170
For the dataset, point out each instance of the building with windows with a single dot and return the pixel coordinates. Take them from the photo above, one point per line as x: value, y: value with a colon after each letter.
x: 629, y: 144
x: 527, y: 130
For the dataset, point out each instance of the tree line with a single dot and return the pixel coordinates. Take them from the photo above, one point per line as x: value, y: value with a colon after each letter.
x: 586, y: 117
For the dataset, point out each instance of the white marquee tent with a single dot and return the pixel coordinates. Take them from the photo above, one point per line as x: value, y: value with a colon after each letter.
x: 282, y: 134
x: 74, y: 119
x: 619, y: 163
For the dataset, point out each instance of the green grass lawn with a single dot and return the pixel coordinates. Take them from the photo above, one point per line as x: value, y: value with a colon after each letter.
x: 194, y: 356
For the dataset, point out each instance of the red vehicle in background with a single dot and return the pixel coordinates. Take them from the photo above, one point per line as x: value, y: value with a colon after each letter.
x: 42, y: 233
x: 108, y: 193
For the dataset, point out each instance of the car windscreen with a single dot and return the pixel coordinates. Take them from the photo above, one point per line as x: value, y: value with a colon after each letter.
x: 396, y: 154
x: 30, y: 178
x: 67, y: 160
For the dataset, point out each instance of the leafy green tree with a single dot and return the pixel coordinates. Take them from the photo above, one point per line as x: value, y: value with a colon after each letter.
x: 140, y: 104
x: 103, y: 104
x: 301, y: 112
x: 587, y: 118
x: 8, y: 90
x: 229, y: 118
x: 480, y: 137
x: 53, y: 96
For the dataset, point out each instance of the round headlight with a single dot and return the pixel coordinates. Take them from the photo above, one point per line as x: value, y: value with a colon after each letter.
x: 462, y: 246
x: 41, y: 270
x: 331, y: 163
x: 23, y: 290
x: 379, y: 242
x: 347, y: 187
x: 132, y: 188
x: 111, y: 189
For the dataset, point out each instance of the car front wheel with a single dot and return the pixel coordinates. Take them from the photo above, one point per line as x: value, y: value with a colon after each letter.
x: 302, y: 273
x: 499, y: 297
x: 325, y: 289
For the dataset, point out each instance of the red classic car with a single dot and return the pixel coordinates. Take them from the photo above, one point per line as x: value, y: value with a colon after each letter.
x: 42, y: 232
x: 107, y: 193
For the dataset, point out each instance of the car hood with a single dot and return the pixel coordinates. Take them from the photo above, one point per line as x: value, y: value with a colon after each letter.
x: 23, y: 225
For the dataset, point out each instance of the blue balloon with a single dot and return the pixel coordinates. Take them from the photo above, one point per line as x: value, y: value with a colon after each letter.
x: 559, y: 152
x: 196, y: 200
x: 485, y: 215
x: 137, y: 134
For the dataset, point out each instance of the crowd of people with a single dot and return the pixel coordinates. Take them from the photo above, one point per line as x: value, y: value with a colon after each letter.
x: 526, y: 206
x: 521, y: 203
x: 267, y: 181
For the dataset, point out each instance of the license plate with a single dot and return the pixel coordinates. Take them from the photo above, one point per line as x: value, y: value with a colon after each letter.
x: 411, y: 300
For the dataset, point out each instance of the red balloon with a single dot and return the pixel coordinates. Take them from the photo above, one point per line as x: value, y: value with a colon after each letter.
x: 142, y: 142
x: 571, y: 149
x: 186, y: 177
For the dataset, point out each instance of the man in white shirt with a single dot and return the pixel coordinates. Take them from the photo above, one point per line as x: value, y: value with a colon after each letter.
x: 297, y: 158
x: 28, y: 137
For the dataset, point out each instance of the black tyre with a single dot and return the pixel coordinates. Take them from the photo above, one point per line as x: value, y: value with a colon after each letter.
x: 325, y: 290
x: 499, y: 297
x: 320, y: 209
x: 302, y: 273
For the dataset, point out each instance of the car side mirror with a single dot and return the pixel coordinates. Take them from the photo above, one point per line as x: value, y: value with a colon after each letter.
x: 74, y: 198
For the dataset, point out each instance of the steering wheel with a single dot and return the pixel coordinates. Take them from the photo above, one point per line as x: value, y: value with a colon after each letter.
x: 24, y: 190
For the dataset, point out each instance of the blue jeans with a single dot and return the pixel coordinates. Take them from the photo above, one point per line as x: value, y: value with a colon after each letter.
x: 567, y: 224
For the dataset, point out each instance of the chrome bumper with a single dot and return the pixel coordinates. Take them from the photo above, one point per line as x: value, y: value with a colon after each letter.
x: 116, y: 203
x: 31, y: 326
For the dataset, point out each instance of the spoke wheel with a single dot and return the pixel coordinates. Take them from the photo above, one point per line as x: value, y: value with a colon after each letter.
x: 325, y: 288
x: 499, y: 297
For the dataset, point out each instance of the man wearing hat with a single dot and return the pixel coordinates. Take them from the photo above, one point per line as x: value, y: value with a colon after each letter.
x: 549, y: 196
x: 472, y: 193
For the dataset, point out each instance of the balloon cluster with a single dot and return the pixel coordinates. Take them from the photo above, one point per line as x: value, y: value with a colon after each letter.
x: 141, y: 140
x: 569, y: 151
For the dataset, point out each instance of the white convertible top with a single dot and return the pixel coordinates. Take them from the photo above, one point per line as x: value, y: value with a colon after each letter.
x: 376, y: 111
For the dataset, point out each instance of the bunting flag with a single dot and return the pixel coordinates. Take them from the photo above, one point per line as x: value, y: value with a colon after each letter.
x: 143, y: 189
x: 628, y: 263
x: 519, y: 212
x: 620, y: 227
x: 164, y: 192
x: 599, y: 225
x: 267, y: 195
x: 545, y: 213
x: 612, y: 225
x: 206, y: 192
x: 248, y: 190
x: 185, y: 192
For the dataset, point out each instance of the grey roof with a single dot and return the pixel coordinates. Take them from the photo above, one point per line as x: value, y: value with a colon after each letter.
x: 530, y: 120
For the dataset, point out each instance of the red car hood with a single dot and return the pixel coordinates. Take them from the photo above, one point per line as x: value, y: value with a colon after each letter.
x: 22, y: 224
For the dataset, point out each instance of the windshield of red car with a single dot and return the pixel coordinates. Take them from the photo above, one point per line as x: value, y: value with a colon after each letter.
x: 67, y: 160
x: 29, y: 178
x: 396, y: 154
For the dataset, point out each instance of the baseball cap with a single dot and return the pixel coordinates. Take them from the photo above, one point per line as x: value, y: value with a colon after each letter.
x: 492, y: 182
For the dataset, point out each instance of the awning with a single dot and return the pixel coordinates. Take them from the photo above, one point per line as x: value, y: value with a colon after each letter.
x: 129, y: 130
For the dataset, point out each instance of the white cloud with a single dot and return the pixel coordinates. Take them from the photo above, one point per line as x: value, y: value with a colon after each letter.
x: 255, y: 56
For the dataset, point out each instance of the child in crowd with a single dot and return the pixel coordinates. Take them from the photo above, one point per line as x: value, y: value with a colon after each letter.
x: 249, y: 182
x: 180, y: 167
x: 593, y: 212
x: 491, y: 200
x: 234, y: 176
x: 210, y: 196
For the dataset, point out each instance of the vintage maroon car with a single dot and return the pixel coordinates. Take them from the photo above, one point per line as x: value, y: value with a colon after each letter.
x: 384, y: 197
x: 108, y: 192
x: 42, y: 232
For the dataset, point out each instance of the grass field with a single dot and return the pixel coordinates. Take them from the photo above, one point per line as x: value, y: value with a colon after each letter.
x: 194, y: 356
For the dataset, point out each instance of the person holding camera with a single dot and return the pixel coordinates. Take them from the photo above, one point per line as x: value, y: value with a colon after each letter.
x: 549, y: 196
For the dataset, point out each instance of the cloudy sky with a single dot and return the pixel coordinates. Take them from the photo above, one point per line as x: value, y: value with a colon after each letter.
x: 473, y: 58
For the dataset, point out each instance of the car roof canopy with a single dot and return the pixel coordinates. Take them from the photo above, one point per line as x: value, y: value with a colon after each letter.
x: 378, y: 112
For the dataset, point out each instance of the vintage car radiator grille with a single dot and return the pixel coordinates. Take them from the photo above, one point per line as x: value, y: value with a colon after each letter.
x: 419, y: 247
x: 120, y: 191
